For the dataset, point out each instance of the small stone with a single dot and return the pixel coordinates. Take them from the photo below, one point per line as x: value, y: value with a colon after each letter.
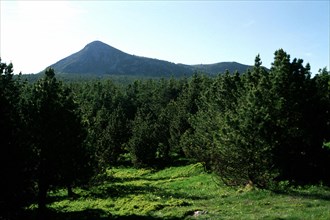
x: 199, y: 212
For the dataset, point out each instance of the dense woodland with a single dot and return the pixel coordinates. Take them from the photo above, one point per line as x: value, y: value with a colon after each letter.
x: 259, y: 127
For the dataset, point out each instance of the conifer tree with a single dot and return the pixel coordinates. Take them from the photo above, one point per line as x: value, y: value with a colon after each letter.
x: 58, y: 135
x: 15, y: 167
x: 243, y: 152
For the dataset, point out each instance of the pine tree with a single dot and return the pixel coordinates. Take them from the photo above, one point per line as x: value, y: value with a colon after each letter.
x: 57, y: 136
x: 143, y: 142
x: 243, y: 152
x: 15, y: 154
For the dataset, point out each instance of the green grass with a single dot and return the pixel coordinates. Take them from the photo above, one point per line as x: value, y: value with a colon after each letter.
x: 177, y: 192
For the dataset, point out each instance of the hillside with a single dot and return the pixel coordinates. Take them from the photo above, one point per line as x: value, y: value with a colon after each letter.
x: 98, y: 58
x: 221, y: 67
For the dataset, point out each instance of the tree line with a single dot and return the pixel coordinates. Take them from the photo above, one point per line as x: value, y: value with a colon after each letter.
x: 261, y: 126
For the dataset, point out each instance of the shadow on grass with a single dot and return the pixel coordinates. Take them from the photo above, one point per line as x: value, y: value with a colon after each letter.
x: 320, y: 195
x: 87, y: 214
x: 118, y: 190
x: 115, y: 188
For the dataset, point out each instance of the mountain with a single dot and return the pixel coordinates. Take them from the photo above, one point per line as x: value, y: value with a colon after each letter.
x: 98, y: 58
x: 221, y: 67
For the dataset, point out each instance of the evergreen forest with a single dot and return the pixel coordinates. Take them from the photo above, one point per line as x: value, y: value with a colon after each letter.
x: 260, y: 127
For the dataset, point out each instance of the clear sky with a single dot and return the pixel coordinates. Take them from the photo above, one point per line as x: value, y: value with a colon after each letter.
x: 36, y: 34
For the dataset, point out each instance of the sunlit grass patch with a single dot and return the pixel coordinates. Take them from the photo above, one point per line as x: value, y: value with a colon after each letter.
x: 180, y: 193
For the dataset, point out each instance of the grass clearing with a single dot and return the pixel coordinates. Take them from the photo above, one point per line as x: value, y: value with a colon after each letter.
x: 178, y: 192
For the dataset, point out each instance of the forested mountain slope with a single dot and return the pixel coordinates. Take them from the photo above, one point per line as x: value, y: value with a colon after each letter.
x: 99, y: 58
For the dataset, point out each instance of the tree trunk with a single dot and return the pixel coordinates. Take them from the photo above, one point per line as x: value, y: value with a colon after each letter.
x: 70, y: 192
x: 42, y: 197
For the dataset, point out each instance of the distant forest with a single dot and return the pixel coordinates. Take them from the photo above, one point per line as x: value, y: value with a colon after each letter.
x: 261, y: 127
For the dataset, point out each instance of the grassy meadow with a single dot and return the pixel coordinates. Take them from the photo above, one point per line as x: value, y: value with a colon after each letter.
x: 183, y: 192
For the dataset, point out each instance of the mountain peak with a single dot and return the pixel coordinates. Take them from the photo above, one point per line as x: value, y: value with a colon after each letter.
x: 100, y: 58
x: 97, y: 43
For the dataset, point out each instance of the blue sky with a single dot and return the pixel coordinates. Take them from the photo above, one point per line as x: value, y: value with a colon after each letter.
x: 36, y: 34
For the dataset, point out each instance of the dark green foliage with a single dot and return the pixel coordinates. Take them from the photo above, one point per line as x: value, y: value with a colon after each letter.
x: 143, y: 142
x: 263, y: 125
x: 191, y: 141
x: 257, y: 127
x: 109, y: 135
x: 322, y: 132
x: 15, y: 156
x: 243, y: 144
x: 151, y: 143
x: 57, y: 135
x: 107, y: 112
x: 300, y: 131
x: 217, y: 97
